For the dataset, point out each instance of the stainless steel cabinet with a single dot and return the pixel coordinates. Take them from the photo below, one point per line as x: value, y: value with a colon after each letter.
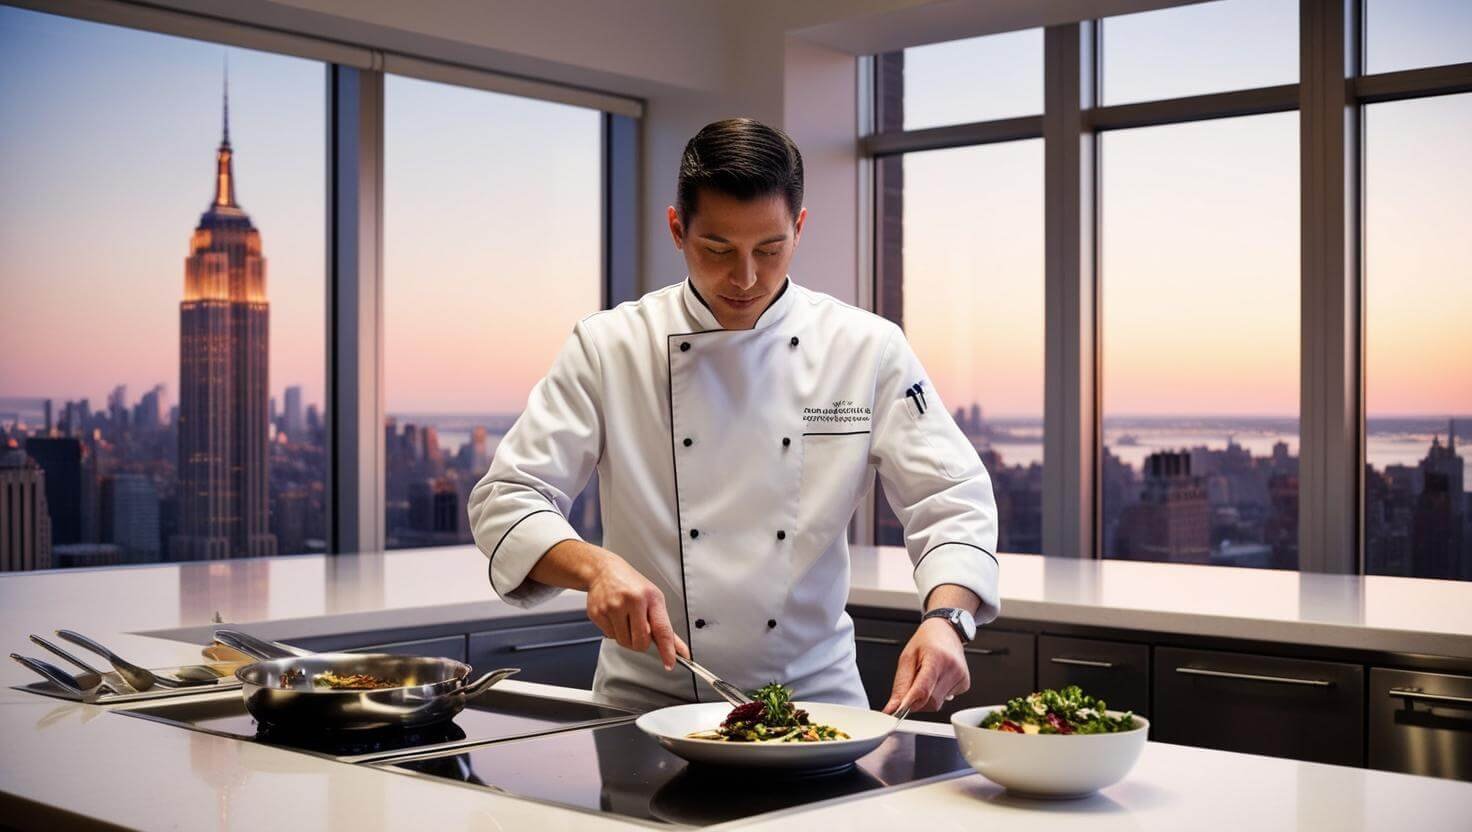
x: 1117, y: 672
x: 553, y: 654
x: 1001, y: 664
x: 1305, y: 710
x: 1421, y: 723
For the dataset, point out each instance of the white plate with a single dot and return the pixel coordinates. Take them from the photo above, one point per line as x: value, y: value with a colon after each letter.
x: 671, y: 727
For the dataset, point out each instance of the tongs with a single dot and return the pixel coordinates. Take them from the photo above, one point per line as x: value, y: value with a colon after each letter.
x: 728, y: 691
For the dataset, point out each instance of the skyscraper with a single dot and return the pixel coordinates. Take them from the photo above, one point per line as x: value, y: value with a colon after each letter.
x: 1172, y: 520
x: 130, y: 516
x: 295, y: 425
x: 61, y: 459
x: 223, y: 348
x: 25, y: 522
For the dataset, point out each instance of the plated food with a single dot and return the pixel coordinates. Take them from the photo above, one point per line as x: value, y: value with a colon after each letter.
x: 833, y: 735
x: 1067, y: 711
x: 771, y: 718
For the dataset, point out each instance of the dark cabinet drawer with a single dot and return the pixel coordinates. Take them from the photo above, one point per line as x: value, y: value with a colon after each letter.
x: 1421, y: 723
x: 553, y: 654
x: 1305, y: 710
x: 447, y: 647
x: 1115, y: 671
x: 1001, y: 664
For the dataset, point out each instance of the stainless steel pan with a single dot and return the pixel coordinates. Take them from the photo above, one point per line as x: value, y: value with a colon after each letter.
x: 279, y: 690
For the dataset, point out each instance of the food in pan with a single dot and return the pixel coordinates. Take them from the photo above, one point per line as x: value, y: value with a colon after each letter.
x: 351, y: 681
x: 290, y: 677
x: 1069, y: 711
x: 771, y: 718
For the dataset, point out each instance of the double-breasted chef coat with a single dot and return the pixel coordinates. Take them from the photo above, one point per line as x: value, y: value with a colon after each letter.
x: 729, y: 464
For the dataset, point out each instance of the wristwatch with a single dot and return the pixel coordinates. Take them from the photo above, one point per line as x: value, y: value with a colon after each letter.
x: 959, y: 619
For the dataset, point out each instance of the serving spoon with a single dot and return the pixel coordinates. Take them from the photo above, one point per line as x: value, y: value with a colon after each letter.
x: 64, y: 680
x: 89, y: 678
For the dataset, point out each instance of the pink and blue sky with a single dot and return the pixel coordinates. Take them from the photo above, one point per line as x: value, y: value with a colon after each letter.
x: 107, y: 140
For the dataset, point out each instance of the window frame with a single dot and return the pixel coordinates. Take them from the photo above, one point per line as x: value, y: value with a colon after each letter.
x: 1330, y: 95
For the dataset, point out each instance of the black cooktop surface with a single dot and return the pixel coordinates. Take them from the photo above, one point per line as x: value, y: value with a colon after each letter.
x: 494, y: 715
x: 619, y: 769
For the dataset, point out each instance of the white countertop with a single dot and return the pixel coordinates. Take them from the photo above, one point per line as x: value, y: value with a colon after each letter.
x: 1403, y: 615
x: 140, y: 774
x: 314, y: 595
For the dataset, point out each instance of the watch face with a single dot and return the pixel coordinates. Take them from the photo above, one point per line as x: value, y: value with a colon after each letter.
x: 967, y: 624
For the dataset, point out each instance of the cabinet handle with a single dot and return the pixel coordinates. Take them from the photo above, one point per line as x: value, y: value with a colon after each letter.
x: 1431, y: 698
x: 547, y: 645
x: 1253, y: 677
x: 1082, y: 662
x: 985, y: 651
x: 894, y: 642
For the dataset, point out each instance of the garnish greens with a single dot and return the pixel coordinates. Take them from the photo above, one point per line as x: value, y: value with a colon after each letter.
x: 771, y: 718
x: 1067, y: 711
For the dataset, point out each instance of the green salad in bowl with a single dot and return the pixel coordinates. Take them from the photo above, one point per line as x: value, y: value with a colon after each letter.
x: 1067, y: 711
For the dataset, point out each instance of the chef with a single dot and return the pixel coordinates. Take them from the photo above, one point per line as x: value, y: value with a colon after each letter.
x: 735, y: 420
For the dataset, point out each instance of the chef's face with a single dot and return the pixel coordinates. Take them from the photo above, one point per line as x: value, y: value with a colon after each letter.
x: 737, y: 252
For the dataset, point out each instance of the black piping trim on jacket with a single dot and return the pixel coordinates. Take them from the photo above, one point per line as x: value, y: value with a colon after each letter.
x: 491, y: 563
x: 954, y: 543
x: 669, y: 378
x: 835, y: 433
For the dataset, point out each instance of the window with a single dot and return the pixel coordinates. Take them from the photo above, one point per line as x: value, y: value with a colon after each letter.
x: 161, y: 335
x: 491, y: 254
x: 1408, y: 34
x: 960, y: 257
x: 1418, y: 356
x: 977, y: 79
x: 972, y: 301
x: 1200, y: 48
x: 1199, y: 295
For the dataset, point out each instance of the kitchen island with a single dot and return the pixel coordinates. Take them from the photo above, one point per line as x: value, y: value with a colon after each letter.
x: 67, y: 764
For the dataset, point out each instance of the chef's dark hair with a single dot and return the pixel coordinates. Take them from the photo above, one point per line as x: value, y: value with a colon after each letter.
x: 742, y: 158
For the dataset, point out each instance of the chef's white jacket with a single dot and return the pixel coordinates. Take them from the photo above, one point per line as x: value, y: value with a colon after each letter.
x: 729, y: 465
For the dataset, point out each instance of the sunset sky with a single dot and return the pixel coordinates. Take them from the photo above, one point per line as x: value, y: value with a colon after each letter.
x: 107, y: 140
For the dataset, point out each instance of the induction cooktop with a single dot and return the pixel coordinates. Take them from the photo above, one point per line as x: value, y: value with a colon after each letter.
x: 492, y: 716
x: 618, y: 769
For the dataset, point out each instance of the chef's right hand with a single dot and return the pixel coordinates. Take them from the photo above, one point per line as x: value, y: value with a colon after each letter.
x: 631, y: 610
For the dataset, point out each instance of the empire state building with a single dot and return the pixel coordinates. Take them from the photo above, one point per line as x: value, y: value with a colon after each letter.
x: 223, y: 338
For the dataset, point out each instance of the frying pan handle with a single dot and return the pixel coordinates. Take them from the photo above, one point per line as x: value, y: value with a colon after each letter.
x: 257, y: 647
x: 474, y: 689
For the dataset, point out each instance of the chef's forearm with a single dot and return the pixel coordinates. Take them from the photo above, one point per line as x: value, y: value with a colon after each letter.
x: 953, y: 595
x: 571, y: 564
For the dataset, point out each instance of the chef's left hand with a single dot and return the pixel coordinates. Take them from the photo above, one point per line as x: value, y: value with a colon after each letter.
x: 932, y: 668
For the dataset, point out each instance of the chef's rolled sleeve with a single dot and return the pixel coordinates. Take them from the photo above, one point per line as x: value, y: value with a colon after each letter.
x: 935, y: 482
x: 519, y: 508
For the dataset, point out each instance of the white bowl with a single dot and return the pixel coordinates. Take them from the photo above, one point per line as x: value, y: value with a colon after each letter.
x: 671, y: 727
x: 1048, y: 765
